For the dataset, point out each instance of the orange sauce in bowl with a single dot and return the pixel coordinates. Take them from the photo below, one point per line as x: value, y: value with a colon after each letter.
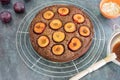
x: 116, y: 50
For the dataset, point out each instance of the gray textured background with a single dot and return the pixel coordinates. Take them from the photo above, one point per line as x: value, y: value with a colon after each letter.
x: 13, y: 68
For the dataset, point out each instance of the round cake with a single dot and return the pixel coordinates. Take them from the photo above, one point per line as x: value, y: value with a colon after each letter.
x: 61, y: 33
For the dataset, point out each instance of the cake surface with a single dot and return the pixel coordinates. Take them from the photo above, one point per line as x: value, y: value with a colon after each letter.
x: 61, y: 33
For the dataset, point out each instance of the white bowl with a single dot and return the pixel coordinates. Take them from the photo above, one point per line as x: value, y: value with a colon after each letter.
x: 113, y: 40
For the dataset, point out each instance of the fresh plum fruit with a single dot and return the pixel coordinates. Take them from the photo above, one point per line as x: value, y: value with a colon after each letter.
x: 5, y: 16
x: 5, y: 2
x: 19, y: 7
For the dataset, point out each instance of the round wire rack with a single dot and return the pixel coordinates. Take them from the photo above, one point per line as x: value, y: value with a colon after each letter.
x: 57, y: 69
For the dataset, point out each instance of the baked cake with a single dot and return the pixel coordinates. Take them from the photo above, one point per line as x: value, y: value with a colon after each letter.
x: 61, y: 33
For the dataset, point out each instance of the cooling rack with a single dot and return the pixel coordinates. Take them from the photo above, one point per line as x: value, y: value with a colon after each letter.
x: 57, y: 69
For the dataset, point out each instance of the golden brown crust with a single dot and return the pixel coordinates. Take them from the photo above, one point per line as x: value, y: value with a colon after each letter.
x: 68, y: 55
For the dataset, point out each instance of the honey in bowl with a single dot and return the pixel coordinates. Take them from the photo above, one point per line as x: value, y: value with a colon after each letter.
x: 116, y: 50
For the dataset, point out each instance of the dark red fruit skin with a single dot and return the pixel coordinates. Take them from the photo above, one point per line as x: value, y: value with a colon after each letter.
x: 5, y: 16
x: 4, y: 2
x: 19, y: 7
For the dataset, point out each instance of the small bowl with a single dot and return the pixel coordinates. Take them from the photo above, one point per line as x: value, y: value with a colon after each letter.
x: 107, y: 15
x: 114, y: 39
